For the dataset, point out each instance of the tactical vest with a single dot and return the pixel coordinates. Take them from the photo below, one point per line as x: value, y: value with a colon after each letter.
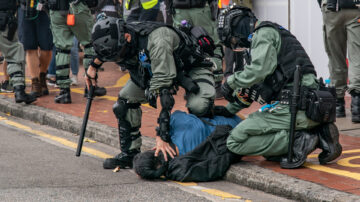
x: 7, y: 5
x: 186, y: 4
x: 186, y: 55
x: 291, y: 54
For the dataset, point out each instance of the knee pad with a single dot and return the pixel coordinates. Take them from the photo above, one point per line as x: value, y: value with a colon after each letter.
x: 121, y: 107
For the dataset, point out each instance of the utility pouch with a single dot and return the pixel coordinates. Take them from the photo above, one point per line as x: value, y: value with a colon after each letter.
x: 91, y: 3
x: 4, y: 17
x: 321, y: 106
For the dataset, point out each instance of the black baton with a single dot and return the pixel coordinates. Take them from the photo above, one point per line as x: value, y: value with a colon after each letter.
x: 293, y: 110
x: 85, y: 120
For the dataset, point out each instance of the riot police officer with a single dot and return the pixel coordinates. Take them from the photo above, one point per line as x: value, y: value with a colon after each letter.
x: 13, y: 51
x: 71, y: 18
x: 159, y: 58
x: 269, y: 77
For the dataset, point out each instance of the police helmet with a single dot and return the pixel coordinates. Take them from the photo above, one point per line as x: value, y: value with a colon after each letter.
x: 108, y: 38
x: 235, y: 24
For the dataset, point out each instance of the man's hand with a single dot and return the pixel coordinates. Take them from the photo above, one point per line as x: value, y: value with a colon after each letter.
x: 164, y: 147
x: 227, y: 92
x: 90, y: 77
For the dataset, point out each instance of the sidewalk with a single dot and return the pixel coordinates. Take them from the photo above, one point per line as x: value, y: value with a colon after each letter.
x: 338, y: 181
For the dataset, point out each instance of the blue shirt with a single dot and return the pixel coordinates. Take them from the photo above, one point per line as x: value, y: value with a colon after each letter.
x: 187, y: 131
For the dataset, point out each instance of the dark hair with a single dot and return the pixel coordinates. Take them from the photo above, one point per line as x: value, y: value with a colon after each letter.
x: 147, y: 166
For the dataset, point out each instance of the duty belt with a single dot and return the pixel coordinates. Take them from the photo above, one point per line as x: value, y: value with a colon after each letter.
x: 285, y: 97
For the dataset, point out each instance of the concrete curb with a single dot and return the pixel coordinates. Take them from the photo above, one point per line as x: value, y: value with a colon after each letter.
x: 242, y: 173
x: 99, y: 132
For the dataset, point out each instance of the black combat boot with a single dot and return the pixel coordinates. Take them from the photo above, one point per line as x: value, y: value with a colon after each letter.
x: 328, y: 142
x: 21, y: 96
x: 305, y: 142
x: 123, y: 160
x: 355, y: 107
x: 64, y: 97
x: 98, y: 91
x: 340, y: 108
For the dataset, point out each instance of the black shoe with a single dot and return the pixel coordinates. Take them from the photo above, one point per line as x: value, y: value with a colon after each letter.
x: 305, y: 142
x: 340, y: 108
x: 122, y: 160
x: 328, y: 142
x: 99, y: 91
x: 64, y: 97
x: 21, y: 96
x: 355, y: 107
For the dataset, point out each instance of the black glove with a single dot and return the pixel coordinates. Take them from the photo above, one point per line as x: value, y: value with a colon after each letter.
x: 222, y: 111
x: 227, y: 92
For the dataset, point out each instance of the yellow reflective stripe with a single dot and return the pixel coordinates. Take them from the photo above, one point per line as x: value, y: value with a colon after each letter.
x: 219, y: 4
x: 148, y: 4
x: 127, y: 3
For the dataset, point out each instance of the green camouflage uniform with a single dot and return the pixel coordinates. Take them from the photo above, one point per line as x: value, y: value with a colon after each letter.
x: 264, y: 133
x: 14, y: 54
x: 63, y: 39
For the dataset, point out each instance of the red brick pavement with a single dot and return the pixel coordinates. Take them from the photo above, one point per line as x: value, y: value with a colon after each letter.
x: 337, y: 175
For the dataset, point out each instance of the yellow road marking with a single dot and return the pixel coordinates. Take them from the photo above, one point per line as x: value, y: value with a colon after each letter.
x: 343, y: 152
x: 346, y: 162
x: 122, y: 81
x: 55, y: 138
x: 102, y: 155
x: 344, y: 173
x: 221, y: 194
x: 89, y: 140
x: 186, y: 184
